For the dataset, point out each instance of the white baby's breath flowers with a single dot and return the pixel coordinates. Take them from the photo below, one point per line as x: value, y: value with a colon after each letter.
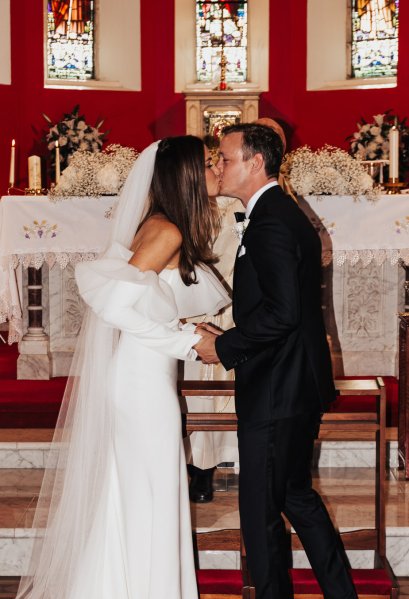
x: 95, y: 173
x: 327, y: 171
x: 108, y: 178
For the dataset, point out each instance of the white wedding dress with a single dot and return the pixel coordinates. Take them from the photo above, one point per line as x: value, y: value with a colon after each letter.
x: 140, y: 542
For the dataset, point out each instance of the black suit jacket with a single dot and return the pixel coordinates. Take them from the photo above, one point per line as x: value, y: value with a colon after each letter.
x: 278, y: 347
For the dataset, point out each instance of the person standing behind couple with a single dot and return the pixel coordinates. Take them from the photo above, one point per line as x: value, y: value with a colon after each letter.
x: 279, y: 350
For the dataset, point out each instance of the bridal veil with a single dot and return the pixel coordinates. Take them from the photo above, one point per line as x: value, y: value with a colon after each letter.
x: 74, y: 484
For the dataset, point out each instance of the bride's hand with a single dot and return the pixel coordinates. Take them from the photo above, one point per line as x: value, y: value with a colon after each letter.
x: 208, y: 327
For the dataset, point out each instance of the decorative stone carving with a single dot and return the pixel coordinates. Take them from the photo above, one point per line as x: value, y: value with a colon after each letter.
x: 66, y: 312
x: 74, y: 306
x: 359, y: 304
x: 363, y: 306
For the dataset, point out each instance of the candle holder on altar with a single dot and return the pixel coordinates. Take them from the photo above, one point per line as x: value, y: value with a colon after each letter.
x: 11, y: 190
x: 392, y: 186
x: 35, y: 192
x: 375, y: 168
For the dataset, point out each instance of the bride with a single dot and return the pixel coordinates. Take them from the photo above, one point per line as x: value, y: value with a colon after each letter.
x: 114, y: 509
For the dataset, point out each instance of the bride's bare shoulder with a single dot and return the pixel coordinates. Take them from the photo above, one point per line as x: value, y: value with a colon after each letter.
x: 157, y: 228
x: 156, y: 244
x: 159, y: 225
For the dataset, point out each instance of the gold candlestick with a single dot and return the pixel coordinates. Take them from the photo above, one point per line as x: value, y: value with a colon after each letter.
x: 223, y: 64
x: 222, y: 86
x: 392, y: 187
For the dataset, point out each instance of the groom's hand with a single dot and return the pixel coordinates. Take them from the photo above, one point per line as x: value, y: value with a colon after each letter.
x: 206, y: 346
x: 208, y: 326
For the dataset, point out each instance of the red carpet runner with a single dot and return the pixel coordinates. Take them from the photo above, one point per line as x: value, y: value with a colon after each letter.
x: 26, y: 404
x: 374, y: 582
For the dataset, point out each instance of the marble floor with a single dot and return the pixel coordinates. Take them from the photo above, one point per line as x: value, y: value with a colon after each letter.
x: 348, y: 493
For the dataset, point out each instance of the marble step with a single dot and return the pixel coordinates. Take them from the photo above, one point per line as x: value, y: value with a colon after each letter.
x: 352, y: 454
x: 397, y: 552
x: 16, y: 544
x: 348, y: 493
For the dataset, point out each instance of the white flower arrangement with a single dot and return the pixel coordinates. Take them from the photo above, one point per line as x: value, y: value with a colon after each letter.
x: 371, y: 141
x: 327, y: 171
x: 73, y: 133
x: 95, y: 174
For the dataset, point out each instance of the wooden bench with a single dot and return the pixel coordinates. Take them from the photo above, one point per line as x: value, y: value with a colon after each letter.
x: 403, y: 406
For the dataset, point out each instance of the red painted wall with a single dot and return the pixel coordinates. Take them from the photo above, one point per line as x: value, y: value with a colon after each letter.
x: 136, y: 118
x: 319, y: 117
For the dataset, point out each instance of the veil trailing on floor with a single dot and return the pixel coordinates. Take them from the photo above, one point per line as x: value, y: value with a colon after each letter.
x: 73, y: 493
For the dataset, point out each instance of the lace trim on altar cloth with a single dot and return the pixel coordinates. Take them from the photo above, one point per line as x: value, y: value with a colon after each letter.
x: 14, y: 317
x: 365, y: 257
x: 339, y: 257
x: 51, y: 258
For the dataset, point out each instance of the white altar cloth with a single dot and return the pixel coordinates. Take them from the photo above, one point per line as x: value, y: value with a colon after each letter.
x: 360, y: 230
x: 34, y: 230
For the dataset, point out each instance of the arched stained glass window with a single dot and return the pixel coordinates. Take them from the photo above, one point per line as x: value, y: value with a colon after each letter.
x: 70, y: 39
x: 375, y: 38
x: 221, y: 28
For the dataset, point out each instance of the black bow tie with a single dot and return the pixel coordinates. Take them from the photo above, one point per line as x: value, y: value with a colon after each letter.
x: 240, y: 217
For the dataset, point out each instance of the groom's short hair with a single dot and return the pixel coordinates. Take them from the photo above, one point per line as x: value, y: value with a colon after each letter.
x: 260, y: 139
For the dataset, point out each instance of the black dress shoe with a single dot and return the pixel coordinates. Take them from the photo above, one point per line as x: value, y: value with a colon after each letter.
x: 201, y: 484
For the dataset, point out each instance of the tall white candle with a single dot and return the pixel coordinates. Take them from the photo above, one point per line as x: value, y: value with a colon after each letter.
x: 12, y: 163
x: 394, y: 154
x: 57, y: 162
x: 34, y: 172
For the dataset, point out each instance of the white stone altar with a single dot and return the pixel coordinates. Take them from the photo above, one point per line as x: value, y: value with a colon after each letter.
x: 52, y: 236
x: 363, y: 244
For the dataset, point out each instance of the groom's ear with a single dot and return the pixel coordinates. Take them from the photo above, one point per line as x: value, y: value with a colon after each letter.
x: 257, y: 163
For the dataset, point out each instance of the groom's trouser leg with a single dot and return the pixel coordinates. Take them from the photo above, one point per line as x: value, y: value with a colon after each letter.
x: 308, y: 515
x: 260, y: 500
x: 275, y: 461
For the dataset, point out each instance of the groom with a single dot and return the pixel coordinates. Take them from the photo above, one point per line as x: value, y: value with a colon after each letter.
x: 283, y: 370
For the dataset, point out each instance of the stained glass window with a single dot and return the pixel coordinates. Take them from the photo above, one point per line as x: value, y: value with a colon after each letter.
x: 375, y: 38
x: 221, y: 28
x: 70, y: 39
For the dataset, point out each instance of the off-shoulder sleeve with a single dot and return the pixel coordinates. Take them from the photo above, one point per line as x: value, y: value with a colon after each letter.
x: 207, y: 296
x: 136, y: 302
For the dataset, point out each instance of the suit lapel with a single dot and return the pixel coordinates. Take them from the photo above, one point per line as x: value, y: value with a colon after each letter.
x: 255, y: 216
x: 267, y: 196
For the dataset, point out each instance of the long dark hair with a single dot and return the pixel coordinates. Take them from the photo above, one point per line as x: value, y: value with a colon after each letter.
x: 178, y: 191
